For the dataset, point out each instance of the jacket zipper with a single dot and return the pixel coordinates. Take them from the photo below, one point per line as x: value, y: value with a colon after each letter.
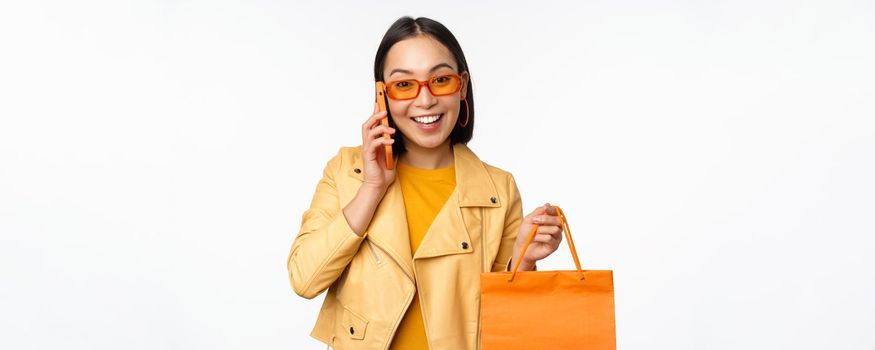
x: 406, y: 304
x: 485, y: 266
x: 482, y: 268
x: 401, y: 316
x: 422, y: 310
x: 374, y: 253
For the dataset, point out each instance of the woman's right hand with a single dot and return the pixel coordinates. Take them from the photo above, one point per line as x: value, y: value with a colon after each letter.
x: 374, y: 151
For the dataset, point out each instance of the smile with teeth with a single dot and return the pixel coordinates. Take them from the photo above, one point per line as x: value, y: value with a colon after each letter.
x: 428, y: 119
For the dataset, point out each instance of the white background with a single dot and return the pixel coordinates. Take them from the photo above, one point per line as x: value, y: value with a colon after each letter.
x: 156, y: 157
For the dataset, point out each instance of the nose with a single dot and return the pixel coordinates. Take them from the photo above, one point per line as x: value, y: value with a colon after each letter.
x: 425, y: 99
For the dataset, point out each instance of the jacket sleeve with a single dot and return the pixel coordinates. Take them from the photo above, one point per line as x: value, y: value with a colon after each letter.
x: 325, y: 244
x: 513, y: 218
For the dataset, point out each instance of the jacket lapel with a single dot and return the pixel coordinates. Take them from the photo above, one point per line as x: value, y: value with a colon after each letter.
x: 449, y: 232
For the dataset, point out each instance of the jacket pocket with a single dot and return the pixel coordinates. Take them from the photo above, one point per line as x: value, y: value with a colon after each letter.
x: 354, y: 325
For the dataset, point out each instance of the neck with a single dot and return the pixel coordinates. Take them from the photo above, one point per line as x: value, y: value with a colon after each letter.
x: 428, y: 158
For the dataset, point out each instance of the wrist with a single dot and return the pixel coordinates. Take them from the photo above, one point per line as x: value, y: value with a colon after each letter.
x: 525, y: 264
x: 370, y: 190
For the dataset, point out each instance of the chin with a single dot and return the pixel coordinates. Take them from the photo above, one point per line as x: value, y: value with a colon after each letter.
x: 431, y: 142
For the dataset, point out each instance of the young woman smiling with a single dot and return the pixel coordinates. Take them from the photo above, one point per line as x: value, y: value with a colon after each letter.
x: 401, y: 251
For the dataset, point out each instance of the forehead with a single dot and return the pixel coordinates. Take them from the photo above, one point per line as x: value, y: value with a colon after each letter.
x: 418, y: 55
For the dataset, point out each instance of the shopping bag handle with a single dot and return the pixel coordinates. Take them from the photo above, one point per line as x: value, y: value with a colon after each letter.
x: 565, y: 230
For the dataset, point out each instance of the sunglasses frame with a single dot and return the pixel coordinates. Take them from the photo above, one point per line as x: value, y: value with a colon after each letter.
x: 422, y: 83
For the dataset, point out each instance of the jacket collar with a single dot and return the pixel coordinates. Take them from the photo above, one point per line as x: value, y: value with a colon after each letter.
x: 449, y: 232
x: 473, y: 183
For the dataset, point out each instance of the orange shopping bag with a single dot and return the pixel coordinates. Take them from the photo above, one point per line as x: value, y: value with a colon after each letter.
x: 547, y: 309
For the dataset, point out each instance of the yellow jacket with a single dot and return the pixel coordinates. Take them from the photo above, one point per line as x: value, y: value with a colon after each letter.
x: 370, y: 279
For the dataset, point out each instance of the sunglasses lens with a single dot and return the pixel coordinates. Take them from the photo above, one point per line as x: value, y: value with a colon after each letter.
x: 402, y: 90
x: 439, y: 86
x: 444, y: 85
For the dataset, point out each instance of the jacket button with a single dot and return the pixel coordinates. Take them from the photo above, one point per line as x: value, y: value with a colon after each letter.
x: 351, y: 330
x: 464, y: 245
x: 493, y: 200
x: 359, y: 171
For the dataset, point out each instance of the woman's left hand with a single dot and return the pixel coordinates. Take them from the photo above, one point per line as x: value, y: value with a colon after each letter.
x: 546, y: 240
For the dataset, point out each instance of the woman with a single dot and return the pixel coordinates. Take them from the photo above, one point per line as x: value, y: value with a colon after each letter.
x: 400, y: 251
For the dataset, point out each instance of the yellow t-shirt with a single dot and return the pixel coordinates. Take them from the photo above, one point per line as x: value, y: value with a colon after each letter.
x: 425, y: 192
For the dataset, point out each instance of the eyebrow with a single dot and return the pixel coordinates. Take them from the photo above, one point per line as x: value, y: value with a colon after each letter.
x: 399, y: 70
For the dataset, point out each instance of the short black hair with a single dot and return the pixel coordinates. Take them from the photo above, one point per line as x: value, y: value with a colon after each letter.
x: 408, y: 27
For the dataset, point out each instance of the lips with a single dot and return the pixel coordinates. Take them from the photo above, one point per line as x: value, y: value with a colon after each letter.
x: 429, y: 123
x: 428, y: 119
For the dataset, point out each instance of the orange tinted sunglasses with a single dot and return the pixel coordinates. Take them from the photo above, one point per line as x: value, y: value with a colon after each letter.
x: 438, y: 85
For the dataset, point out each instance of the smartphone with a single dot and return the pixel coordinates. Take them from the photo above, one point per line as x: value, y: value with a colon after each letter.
x: 381, y: 104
